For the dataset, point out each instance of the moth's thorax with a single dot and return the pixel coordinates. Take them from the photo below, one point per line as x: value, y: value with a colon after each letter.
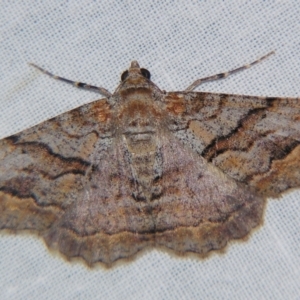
x: 139, y: 106
x: 139, y: 120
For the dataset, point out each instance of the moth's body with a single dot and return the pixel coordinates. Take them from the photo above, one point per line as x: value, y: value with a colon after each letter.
x: 186, y: 171
x: 138, y: 121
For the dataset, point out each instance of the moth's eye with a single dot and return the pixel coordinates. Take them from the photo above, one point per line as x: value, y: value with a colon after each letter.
x: 124, y: 75
x: 146, y: 73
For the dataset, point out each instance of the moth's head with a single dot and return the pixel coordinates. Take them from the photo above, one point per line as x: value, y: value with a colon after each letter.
x: 135, y: 71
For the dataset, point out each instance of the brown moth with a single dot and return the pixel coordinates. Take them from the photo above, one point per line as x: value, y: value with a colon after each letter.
x: 186, y: 171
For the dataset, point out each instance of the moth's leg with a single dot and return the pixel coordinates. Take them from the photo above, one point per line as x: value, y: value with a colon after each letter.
x: 225, y: 74
x: 82, y: 85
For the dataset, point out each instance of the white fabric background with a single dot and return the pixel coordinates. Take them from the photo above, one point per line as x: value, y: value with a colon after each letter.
x: 178, y: 41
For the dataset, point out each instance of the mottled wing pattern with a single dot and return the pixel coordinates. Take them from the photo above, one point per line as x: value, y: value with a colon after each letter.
x: 254, y: 140
x: 185, y: 171
x: 44, y: 170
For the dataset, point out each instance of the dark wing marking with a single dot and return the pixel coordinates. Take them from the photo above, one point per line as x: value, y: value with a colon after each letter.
x: 255, y: 140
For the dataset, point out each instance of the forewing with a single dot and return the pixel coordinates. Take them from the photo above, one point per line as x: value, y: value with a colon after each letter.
x: 254, y: 140
x: 41, y: 168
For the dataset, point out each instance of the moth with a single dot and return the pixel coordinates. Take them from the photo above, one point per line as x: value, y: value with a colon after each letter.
x: 184, y: 171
